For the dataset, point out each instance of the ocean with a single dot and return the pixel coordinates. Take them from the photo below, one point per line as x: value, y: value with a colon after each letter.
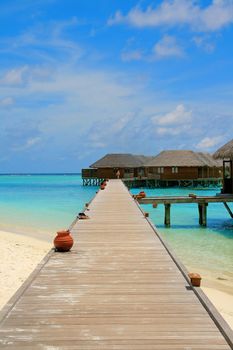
x: 43, y: 204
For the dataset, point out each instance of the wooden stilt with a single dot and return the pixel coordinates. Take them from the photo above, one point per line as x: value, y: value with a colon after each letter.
x: 167, y: 217
x: 200, y: 214
x: 202, y: 208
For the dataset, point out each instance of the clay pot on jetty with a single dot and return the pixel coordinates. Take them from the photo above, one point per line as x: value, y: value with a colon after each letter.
x: 142, y: 194
x: 63, y: 242
x: 102, y: 187
x: 195, y: 279
x: 146, y: 215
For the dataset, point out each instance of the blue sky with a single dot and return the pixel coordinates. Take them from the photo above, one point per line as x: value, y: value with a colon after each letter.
x: 79, y: 79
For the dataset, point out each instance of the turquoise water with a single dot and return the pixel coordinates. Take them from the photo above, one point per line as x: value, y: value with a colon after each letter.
x: 206, y: 250
x: 41, y: 203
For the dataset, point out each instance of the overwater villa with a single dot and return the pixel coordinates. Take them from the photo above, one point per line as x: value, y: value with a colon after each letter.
x: 226, y: 153
x: 184, y: 168
x: 128, y: 166
x: 168, y: 168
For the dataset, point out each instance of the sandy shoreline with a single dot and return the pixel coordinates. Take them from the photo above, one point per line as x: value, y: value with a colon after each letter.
x: 223, y: 303
x: 21, y: 254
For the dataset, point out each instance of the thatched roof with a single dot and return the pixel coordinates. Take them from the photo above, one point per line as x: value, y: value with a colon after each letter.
x: 117, y: 160
x: 208, y: 159
x: 225, y: 151
x: 183, y: 159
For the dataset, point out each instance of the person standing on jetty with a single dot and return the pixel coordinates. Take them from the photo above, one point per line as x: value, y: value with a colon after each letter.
x: 118, y: 173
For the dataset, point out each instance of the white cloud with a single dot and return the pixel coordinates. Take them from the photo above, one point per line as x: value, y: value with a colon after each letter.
x: 172, y: 131
x: 101, y: 136
x: 117, y: 18
x: 28, y: 144
x: 167, y: 47
x: 178, y: 116
x: 14, y: 76
x: 6, y: 102
x: 173, y: 123
x: 209, y: 142
x: 46, y: 43
x: 204, y: 43
x: 32, y: 141
x: 215, y: 16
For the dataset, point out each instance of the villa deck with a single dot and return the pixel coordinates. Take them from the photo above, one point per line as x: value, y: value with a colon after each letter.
x: 119, y: 288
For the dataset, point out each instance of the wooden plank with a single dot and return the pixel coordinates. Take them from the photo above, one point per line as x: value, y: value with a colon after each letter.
x: 119, y: 288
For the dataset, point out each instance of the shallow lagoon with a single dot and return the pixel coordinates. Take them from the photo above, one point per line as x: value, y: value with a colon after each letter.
x: 41, y: 203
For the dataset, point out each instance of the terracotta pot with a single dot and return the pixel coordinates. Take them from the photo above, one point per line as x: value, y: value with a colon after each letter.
x: 102, y: 187
x: 142, y: 194
x: 63, y: 242
x: 146, y: 215
x: 138, y: 196
x: 195, y: 279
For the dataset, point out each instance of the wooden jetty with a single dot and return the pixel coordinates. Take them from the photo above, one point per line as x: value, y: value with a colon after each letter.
x: 202, y: 202
x: 119, y: 288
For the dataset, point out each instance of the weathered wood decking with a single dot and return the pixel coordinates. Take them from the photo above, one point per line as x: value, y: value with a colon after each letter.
x: 117, y: 289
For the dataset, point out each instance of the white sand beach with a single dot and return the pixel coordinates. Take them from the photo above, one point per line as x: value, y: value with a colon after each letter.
x: 20, y: 254
x: 223, y: 303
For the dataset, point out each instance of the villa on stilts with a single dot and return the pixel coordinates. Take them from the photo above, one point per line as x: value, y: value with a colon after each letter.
x: 226, y: 154
x: 182, y: 168
x: 225, y: 197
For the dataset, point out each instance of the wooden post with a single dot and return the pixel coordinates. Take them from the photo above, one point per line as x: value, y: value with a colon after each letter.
x: 167, y: 220
x: 200, y: 214
x: 202, y: 208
